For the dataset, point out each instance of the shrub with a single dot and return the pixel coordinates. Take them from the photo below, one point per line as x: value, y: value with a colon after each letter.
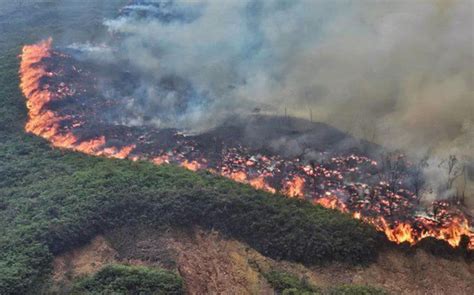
x: 285, y: 283
x: 122, y: 279
x: 356, y: 290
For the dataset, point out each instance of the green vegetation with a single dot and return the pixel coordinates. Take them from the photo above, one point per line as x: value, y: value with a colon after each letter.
x: 288, y: 284
x: 62, y: 199
x: 356, y: 290
x: 285, y: 283
x: 122, y: 279
x: 53, y: 200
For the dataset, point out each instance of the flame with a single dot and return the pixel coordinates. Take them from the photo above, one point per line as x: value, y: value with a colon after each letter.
x: 114, y: 152
x: 45, y: 123
x: 294, y: 188
x: 405, y: 232
x: 260, y: 183
x: 331, y: 202
x: 254, y: 171
x: 238, y: 176
x: 401, y: 233
x: 191, y: 165
x: 161, y: 160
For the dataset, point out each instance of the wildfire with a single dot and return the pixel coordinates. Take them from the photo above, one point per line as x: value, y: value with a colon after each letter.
x: 44, y: 122
x: 402, y: 232
x: 161, y: 160
x: 260, y: 183
x: 193, y: 165
x: 389, y: 211
x: 332, y: 202
x: 294, y: 188
x: 238, y: 176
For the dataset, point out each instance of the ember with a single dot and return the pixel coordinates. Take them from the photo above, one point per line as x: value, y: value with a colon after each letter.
x: 345, y: 183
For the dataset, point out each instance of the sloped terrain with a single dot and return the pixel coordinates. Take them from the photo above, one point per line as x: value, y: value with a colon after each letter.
x: 64, y: 215
x: 52, y: 201
x: 210, y: 264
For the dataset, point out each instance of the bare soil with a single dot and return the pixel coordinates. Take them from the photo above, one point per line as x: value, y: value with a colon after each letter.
x: 212, y: 264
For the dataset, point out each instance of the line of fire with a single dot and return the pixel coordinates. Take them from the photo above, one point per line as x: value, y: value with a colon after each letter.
x: 64, y: 109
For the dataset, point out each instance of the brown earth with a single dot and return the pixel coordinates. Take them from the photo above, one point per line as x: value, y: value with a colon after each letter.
x: 211, y: 264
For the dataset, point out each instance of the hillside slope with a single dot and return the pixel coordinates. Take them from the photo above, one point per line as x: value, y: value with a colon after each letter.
x: 53, y: 202
x: 212, y: 264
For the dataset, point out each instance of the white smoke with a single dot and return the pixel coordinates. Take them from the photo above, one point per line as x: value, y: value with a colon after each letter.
x: 402, y: 67
x: 399, y: 73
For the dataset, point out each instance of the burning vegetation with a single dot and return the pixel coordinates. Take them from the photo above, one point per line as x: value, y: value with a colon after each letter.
x: 65, y: 108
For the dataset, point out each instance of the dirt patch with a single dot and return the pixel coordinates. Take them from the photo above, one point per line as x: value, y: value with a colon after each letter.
x: 208, y: 263
x: 400, y: 273
x: 83, y: 261
x: 211, y: 264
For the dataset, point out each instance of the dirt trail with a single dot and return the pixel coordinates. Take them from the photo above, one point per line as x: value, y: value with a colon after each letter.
x: 211, y: 264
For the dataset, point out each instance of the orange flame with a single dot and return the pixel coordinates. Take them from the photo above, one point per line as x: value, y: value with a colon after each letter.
x: 238, y: 176
x: 161, y: 160
x: 192, y: 165
x: 45, y: 123
x: 331, y: 202
x: 257, y: 182
x: 260, y: 183
x: 404, y: 232
x: 294, y: 188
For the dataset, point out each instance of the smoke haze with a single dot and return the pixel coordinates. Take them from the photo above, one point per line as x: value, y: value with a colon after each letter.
x: 397, y: 72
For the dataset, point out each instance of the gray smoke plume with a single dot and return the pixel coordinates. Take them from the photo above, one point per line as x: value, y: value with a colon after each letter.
x: 403, y: 68
x: 399, y: 73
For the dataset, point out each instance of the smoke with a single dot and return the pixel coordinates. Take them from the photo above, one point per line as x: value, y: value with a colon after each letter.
x: 398, y: 73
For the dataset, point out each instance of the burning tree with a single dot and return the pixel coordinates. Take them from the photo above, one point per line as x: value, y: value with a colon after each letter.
x: 393, y: 169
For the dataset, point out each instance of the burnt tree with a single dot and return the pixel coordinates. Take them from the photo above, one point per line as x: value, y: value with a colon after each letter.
x: 454, y: 169
x: 393, y: 169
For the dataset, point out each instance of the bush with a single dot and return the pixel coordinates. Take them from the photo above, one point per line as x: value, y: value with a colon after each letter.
x: 122, y: 279
x: 285, y: 283
x: 356, y: 290
x: 61, y: 211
